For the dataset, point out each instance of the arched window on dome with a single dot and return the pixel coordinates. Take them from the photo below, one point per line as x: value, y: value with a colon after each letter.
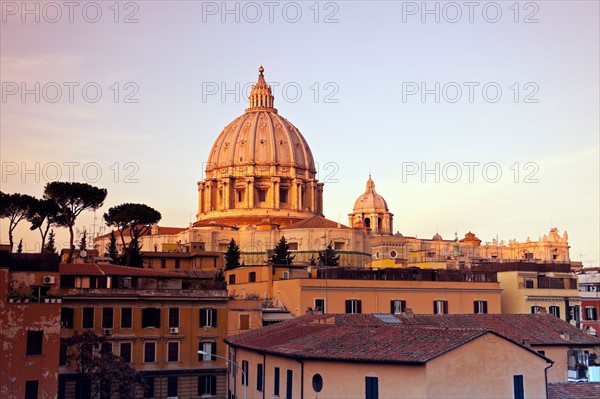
x: 367, y: 222
x: 379, y: 224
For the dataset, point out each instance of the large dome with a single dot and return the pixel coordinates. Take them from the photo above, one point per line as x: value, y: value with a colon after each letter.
x: 260, y: 166
x: 261, y: 138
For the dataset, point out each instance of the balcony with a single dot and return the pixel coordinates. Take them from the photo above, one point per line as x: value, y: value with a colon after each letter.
x: 408, y: 274
x: 135, y: 292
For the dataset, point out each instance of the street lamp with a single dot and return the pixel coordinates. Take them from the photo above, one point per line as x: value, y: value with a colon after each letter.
x: 244, y: 376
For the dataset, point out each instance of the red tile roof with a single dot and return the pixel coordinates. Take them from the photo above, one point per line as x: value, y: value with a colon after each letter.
x: 535, y: 329
x: 93, y: 269
x: 315, y: 222
x: 574, y: 390
x: 359, y: 338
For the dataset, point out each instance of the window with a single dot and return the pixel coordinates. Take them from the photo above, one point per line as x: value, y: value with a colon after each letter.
x: 62, y: 354
x: 177, y: 263
x: 31, y: 389
x: 262, y: 195
x: 535, y: 309
x: 591, y: 313
x: 480, y: 307
x: 259, y: 377
x: 372, y: 387
x: 293, y: 246
x: 252, y: 277
x: 163, y: 263
x: 209, y: 349
x: 172, y: 387
x: 317, y: 383
x: 440, y: 307
x: 148, y: 387
x: 173, y: 317
x: 244, y: 321
x: 207, y: 385
x: 232, y: 279
x: 240, y: 195
x: 574, y: 313
x: 353, y: 306
x: 172, y: 353
x: 88, y: 318
x: 528, y: 283
x: 151, y: 318
x: 107, y: 317
x: 320, y: 305
x: 126, y: 318
x: 149, y: 352
x: 518, y: 387
x: 283, y: 195
x: 39, y: 293
x: 543, y: 353
x: 66, y: 317
x: 397, y: 306
x: 245, y: 372
x: 125, y: 351
x: 276, y: 381
x: 554, y: 311
x: 208, y: 317
x: 34, y: 343
x: 289, y: 385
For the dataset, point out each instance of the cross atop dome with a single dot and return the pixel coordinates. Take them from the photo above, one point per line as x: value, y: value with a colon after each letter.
x: 261, y: 98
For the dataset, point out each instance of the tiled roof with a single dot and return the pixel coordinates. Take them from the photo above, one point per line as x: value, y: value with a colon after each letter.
x: 93, y: 269
x: 535, y: 329
x: 161, y: 231
x: 361, y: 338
x: 315, y: 222
x: 573, y: 390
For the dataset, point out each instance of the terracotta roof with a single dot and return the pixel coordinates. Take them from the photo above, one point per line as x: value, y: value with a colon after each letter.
x: 358, y: 338
x: 93, y: 269
x: 535, y: 329
x: 161, y: 231
x: 315, y: 222
x: 574, y: 390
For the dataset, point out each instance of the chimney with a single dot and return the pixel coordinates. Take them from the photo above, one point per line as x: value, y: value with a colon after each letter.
x: 542, y: 310
x: 409, y: 313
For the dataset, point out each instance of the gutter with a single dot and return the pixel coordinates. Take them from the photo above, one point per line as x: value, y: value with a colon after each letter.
x: 264, y: 376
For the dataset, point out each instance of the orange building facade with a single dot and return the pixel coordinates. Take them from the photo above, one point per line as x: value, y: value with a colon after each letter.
x: 29, y: 325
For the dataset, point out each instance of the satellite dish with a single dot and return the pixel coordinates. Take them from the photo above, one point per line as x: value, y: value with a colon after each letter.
x: 83, y: 253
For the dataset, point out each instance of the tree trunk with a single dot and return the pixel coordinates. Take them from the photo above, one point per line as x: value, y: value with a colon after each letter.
x: 71, y: 245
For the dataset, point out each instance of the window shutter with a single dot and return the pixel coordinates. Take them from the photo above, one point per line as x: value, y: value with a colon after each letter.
x: 392, y: 309
x: 214, y: 318
x: 202, y: 386
x: 485, y: 309
x: 475, y: 307
x: 435, y: 307
x: 276, y: 382
x: 445, y: 307
x: 202, y: 317
x: 358, y: 306
x: 403, y: 309
x: 213, y: 350
x: 348, y: 306
x: 213, y: 385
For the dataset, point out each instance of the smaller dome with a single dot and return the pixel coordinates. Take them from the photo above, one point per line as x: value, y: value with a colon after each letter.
x: 437, y: 237
x: 370, y: 200
x: 398, y: 234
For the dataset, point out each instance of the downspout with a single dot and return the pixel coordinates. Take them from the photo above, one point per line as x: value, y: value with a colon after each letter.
x: 264, y: 376
x: 302, y: 377
x: 235, y: 373
x: 546, y: 376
